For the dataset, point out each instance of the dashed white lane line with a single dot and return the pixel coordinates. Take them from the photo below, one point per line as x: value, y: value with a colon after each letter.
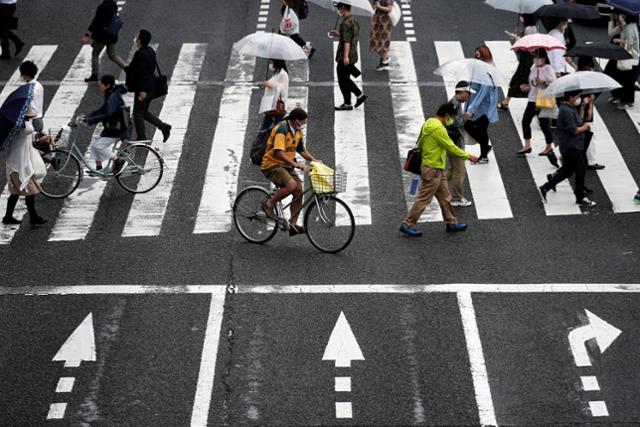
x: 598, y: 408
x: 589, y: 383
x: 344, y: 410
x: 343, y: 384
x: 56, y: 411
x: 65, y: 384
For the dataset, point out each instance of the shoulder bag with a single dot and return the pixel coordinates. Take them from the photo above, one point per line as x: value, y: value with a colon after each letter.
x: 161, y: 87
x: 413, y: 163
x: 279, y: 111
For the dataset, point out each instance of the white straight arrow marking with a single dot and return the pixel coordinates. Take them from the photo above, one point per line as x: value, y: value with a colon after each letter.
x: 80, y: 346
x: 342, y: 346
x: 603, y: 332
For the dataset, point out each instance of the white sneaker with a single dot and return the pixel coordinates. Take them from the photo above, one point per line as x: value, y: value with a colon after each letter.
x: 463, y: 203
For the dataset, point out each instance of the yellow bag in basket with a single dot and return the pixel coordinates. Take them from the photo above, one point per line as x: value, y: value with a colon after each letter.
x: 321, y: 178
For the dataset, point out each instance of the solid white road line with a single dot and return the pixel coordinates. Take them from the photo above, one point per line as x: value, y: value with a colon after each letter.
x: 202, y: 399
x: 409, y: 116
x: 476, y: 360
x: 79, y: 209
x: 509, y: 288
x: 485, y: 181
x: 350, y: 142
x: 227, y: 151
x: 148, y: 209
x: 61, y: 109
x: 39, y: 55
x: 563, y: 201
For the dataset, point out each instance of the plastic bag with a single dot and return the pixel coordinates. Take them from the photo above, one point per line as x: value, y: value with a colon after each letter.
x: 395, y: 14
x: 289, y: 24
x: 321, y: 177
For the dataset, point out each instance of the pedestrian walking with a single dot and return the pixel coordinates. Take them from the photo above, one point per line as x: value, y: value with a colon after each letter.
x: 525, y: 61
x: 481, y: 109
x: 380, y: 32
x: 292, y: 12
x: 434, y: 144
x: 556, y: 56
x: 115, y: 121
x: 541, y: 75
x: 8, y: 23
x: 571, y: 133
x: 456, y: 169
x: 347, y: 57
x: 141, y: 81
x: 624, y: 30
x: 276, y: 91
x: 103, y: 30
x: 28, y: 72
x: 24, y: 167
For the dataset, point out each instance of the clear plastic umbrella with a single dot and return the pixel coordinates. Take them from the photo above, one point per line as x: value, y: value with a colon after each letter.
x: 271, y: 46
x: 586, y: 81
x: 518, y: 6
x: 473, y: 70
x: 358, y: 7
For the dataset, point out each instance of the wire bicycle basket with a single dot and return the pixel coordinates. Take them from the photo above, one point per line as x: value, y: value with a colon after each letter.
x: 329, y: 184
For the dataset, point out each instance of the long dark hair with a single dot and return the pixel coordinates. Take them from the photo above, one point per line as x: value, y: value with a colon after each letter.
x: 279, y: 65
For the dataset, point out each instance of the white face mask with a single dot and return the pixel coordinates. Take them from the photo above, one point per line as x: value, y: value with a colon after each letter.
x: 577, y: 102
x: 272, y: 67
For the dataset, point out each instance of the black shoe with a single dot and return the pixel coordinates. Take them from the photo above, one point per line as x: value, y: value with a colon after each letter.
x: 19, y: 47
x: 311, y: 52
x: 587, y: 190
x: 553, y: 159
x: 453, y: 228
x: 38, y: 220
x: 553, y: 187
x: 10, y: 221
x: 595, y: 167
x: 360, y: 100
x: 523, y: 151
x: 91, y: 78
x: 166, y: 132
x: 117, y: 166
x: 543, y: 193
x: 344, y: 107
x: 296, y: 229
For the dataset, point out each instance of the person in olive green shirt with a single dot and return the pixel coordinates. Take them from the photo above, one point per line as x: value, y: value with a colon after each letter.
x: 346, y: 57
x: 434, y: 144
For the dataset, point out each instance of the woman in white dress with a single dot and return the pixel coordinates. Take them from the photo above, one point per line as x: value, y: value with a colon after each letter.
x: 275, y: 89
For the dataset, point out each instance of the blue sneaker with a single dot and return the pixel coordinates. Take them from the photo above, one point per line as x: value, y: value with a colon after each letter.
x: 452, y: 228
x: 411, y: 232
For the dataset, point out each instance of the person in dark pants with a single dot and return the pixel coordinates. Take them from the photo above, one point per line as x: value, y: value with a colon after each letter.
x: 141, y: 81
x: 102, y: 38
x: 571, y: 134
x: 7, y: 10
x: 346, y: 57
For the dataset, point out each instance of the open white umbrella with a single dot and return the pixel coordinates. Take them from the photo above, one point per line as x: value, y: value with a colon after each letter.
x: 271, y: 46
x: 473, y: 70
x: 586, y: 81
x: 518, y: 6
x: 358, y: 7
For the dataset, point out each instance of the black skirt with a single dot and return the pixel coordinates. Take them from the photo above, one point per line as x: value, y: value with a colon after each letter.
x: 521, y: 76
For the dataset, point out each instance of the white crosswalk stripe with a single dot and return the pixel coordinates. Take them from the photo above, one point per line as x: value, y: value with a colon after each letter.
x: 228, y: 157
x: 148, y: 209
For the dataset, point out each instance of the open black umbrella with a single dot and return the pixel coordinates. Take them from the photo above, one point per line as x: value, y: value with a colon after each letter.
x: 600, y: 50
x: 13, y: 112
x: 569, y: 11
x: 629, y: 6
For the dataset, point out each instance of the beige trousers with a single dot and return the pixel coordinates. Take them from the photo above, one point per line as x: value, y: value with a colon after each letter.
x: 456, y: 173
x: 434, y: 183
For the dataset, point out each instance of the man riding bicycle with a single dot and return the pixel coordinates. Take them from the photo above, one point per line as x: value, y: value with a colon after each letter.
x: 115, y: 118
x: 279, y: 162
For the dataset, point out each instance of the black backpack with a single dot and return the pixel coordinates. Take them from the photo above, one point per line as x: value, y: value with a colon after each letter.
x: 259, y: 145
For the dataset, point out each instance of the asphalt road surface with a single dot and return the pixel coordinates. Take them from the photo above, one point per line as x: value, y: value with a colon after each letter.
x: 152, y: 310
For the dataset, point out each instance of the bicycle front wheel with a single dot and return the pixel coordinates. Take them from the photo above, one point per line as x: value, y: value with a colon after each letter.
x: 63, y: 174
x: 143, y: 169
x: 252, y: 223
x: 330, y: 224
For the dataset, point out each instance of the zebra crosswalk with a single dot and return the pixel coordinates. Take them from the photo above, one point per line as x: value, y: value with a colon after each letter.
x: 227, y: 164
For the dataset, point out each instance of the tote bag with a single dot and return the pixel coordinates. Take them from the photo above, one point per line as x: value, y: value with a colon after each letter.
x: 544, y: 102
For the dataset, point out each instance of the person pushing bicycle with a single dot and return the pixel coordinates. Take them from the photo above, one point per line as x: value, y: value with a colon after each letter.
x: 115, y: 118
x: 279, y: 164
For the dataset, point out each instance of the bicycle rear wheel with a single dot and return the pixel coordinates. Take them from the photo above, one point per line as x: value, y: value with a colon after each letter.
x: 63, y: 174
x: 252, y: 223
x: 143, y: 169
x: 330, y: 224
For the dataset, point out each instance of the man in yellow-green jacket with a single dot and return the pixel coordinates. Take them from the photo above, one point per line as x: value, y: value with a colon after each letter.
x: 434, y: 144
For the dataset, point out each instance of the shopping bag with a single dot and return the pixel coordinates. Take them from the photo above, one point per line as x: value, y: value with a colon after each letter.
x: 39, y: 169
x: 289, y: 24
x: 544, y: 102
x: 395, y: 14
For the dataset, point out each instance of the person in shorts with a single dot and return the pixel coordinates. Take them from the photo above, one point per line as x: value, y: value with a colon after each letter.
x: 279, y: 164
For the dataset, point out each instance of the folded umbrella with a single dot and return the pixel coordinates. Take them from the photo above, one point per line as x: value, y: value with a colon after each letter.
x: 270, y: 46
x: 13, y: 112
x: 600, y: 50
x: 518, y: 6
x: 629, y: 6
x: 569, y: 11
x: 586, y: 81
x: 472, y: 70
x: 358, y: 7
x: 537, y: 41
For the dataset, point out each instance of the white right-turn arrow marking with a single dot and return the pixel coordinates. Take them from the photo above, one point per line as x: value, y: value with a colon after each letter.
x: 603, y: 332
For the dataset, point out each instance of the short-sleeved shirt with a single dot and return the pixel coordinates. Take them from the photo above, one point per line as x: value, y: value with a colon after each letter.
x: 349, y: 32
x: 568, y: 121
x: 282, y: 138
